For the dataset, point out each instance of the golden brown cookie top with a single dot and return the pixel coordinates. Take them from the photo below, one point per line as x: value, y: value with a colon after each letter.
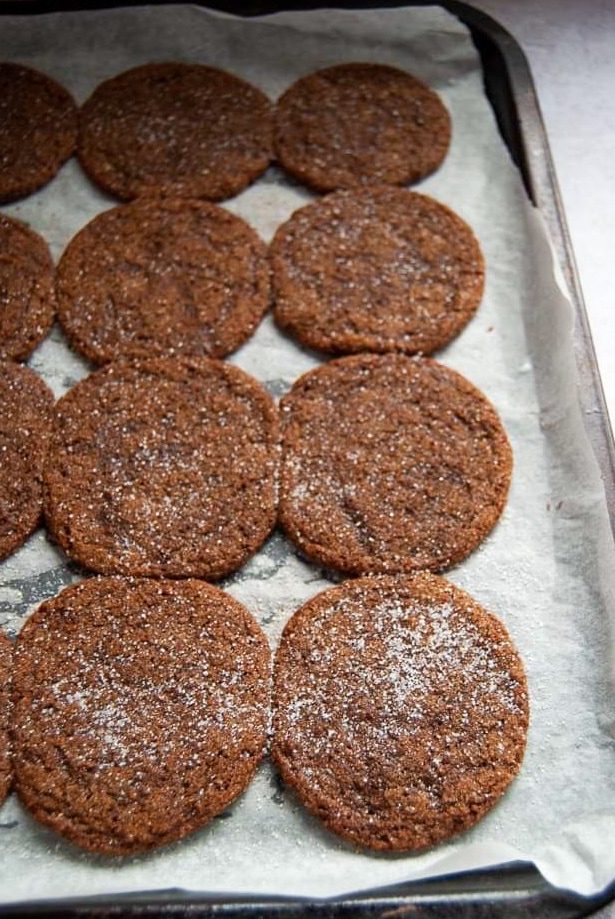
x: 400, y: 710
x: 27, y: 289
x: 360, y: 123
x: 376, y: 269
x: 390, y: 464
x: 25, y: 428
x: 38, y: 129
x: 162, y: 277
x: 175, y: 129
x: 141, y: 710
x: 163, y: 468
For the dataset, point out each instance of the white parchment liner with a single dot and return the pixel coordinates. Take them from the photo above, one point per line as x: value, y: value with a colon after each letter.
x: 547, y: 570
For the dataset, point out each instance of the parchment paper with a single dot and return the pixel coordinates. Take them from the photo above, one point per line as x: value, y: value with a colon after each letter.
x: 547, y: 569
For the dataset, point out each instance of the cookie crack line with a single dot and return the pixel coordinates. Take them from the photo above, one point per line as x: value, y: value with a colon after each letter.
x: 390, y: 464
x: 342, y: 285
x: 175, y: 129
x: 164, y: 468
x: 400, y: 710
x: 100, y: 756
x: 360, y: 123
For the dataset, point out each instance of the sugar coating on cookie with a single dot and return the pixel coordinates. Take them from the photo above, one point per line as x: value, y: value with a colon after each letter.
x: 360, y: 123
x: 390, y: 464
x: 38, y: 129
x: 6, y: 767
x: 376, y: 269
x: 400, y: 710
x: 163, y: 468
x: 25, y: 428
x: 168, y: 277
x: 175, y: 129
x: 27, y: 289
x: 141, y: 710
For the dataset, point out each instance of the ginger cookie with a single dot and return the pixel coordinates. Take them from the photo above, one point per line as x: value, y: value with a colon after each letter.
x: 27, y: 289
x: 25, y: 427
x: 360, y: 124
x: 176, y: 129
x: 390, y: 464
x: 167, y: 276
x: 376, y: 269
x: 400, y: 710
x: 6, y: 768
x: 38, y: 129
x: 140, y: 710
x: 163, y: 468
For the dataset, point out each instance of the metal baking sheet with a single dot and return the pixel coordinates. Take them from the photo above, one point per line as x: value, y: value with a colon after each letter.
x: 515, y: 890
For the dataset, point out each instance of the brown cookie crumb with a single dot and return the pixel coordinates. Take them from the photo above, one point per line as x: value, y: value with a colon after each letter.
x: 360, y: 123
x: 400, y: 710
x: 140, y: 710
x: 376, y: 269
x: 6, y: 767
x: 168, y: 277
x: 38, y: 130
x: 164, y: 468
x: 25, y: 427
x: 390, y: 464
x: 175, y: 129
x: 27, y: 289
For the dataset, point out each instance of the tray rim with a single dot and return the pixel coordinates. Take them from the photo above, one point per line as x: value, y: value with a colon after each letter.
x: 513, y: 890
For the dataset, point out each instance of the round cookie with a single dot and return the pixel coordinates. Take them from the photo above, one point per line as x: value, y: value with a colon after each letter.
x: 25, y: 427
x: 400, y: 710
x: 359, y: 124
x: 175, y: 129
x: 27, y: 289
x: 376, y: 269
x: 6, y: 768
x: 164, y: 468
x: 168, y: 276
x: 140, y: 710
x: 38, y: 129
x: 390, y: 464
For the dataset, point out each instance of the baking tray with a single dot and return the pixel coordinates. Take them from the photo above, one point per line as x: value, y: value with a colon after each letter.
x: 513, y: 891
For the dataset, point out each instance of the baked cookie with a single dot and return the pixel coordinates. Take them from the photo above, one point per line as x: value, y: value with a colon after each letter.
x: 38, y: 129
x: 25, y: 427
x: 168, y: 276
x: 6, y: 768
x: 359, y: 124
x: 164, y: 468
x: 140, y: 710
x: 376, y: 269
x: 400, y: 710
x: 27, y: 289
x: 390, y: 464
x: 175, y: 129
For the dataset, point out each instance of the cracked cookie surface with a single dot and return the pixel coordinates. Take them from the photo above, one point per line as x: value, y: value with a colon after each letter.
x: 27, y: 289
x: 163, y: 468
x: 175, y: 129
x: 170, y: 276
x: 38, y: 129
x: 390, y: 464
x: 25, y: 429
x: 360, y: 123
x: 6, y: 767
x: 400, y: 710
x: 140, y: 710
x: 376, y: 269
